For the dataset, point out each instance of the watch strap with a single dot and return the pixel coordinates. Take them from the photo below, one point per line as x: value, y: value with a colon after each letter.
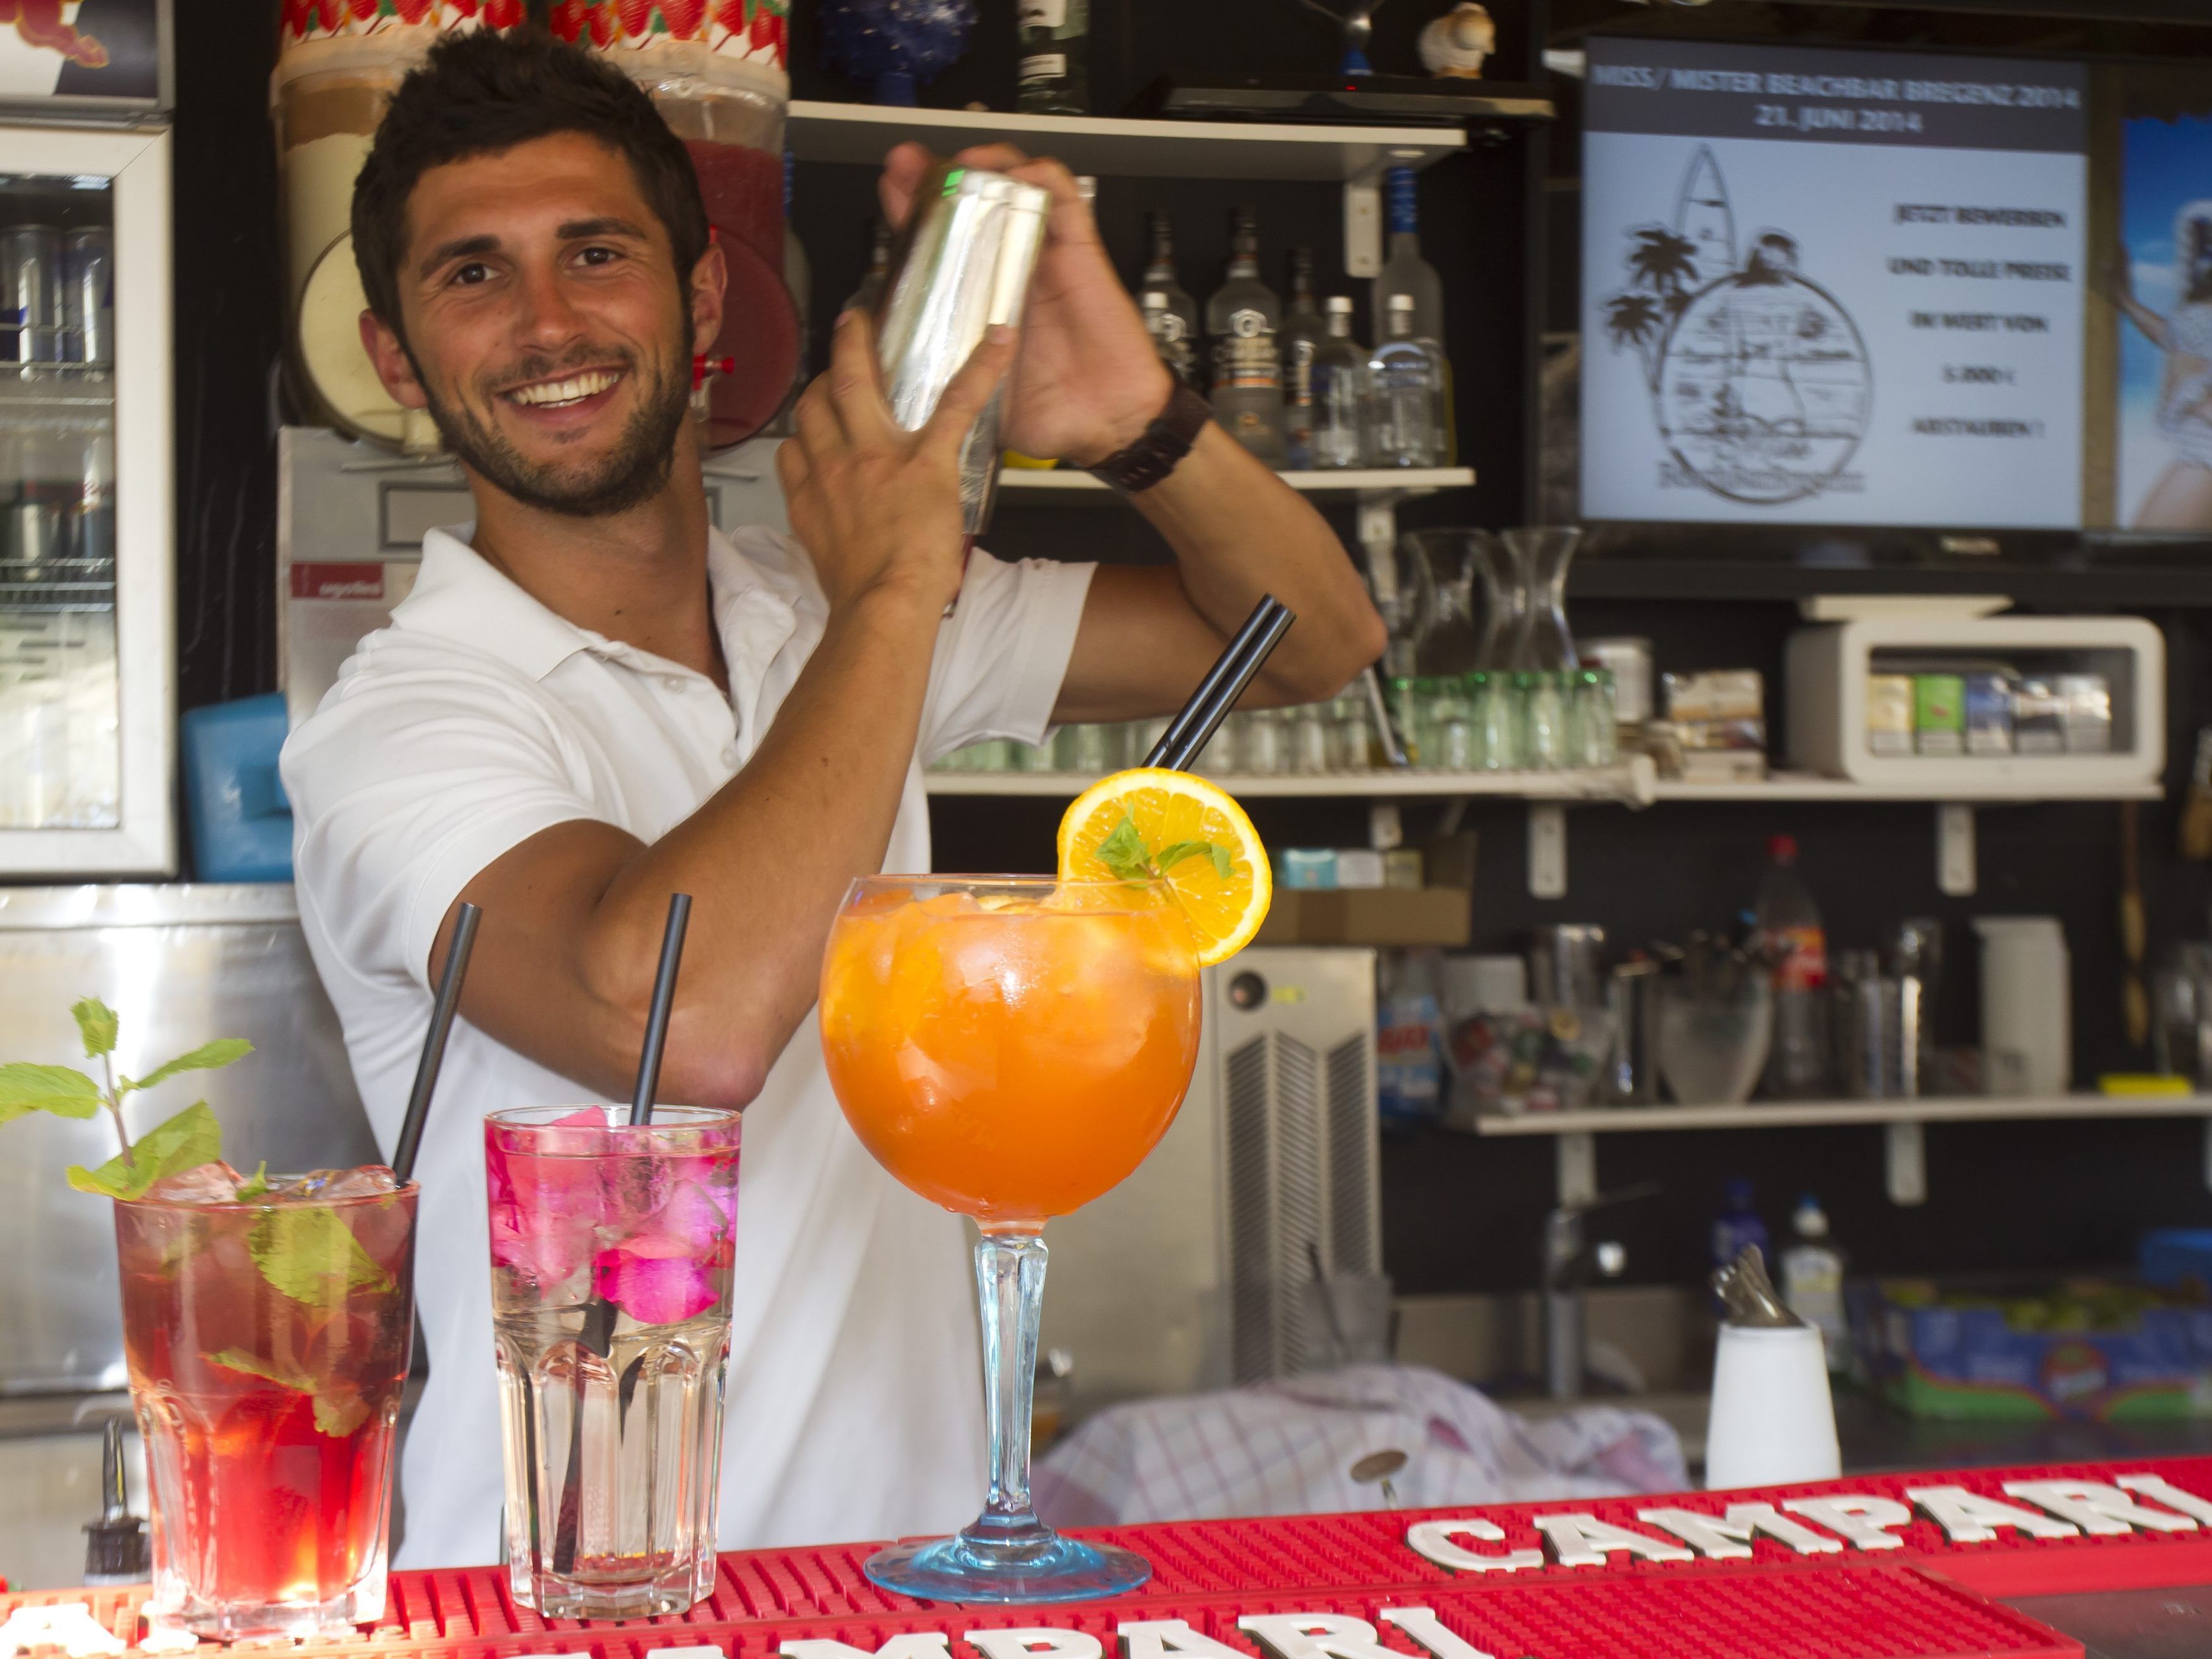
x: 1161, y: 446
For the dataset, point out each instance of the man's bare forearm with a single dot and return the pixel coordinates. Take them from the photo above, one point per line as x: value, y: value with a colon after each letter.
x: 767, y: 858
x: 1238, y: 532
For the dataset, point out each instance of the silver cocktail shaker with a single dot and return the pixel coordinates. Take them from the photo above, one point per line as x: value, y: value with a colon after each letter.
x: 961, y: 265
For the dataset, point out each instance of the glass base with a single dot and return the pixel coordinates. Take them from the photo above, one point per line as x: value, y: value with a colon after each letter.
x: 240, y: 1621
x: 1033, y: 1564
x: 619, y: 1590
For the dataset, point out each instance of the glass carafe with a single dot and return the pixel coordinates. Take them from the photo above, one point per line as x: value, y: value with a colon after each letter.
x: 1541, y: 555
x: 1465, y: 616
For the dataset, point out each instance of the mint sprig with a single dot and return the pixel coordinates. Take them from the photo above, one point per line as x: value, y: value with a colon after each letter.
x: 1126, y: 856
x: 306, y: 1254
x: 185, y: 1142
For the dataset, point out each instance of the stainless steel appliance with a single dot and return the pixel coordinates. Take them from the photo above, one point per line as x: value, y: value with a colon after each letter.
x: 1193, y: 1273
x: 181, y: 964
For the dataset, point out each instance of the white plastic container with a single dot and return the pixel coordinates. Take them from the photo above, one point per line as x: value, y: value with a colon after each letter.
x: 1830, y: 666
x: 2027, y: 1015
x: 1772, y: 1420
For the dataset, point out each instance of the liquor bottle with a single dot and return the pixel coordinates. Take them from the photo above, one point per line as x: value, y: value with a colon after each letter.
x: 1409, y: 392
x: 1303, y: 333
x: 871, y: 290
x: 1342, y: 430
x: 1054, y: 42
x: 1243, y: 318
x: 1178, y: 312
x: 1406, y: 271
x: 1789, y: 924
x: 1169, y: 337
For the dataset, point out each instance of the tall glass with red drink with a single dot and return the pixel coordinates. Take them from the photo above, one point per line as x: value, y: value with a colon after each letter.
x: 269, y: 1334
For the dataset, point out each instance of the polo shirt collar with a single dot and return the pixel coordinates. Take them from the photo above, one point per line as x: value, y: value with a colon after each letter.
x: 460, y: 595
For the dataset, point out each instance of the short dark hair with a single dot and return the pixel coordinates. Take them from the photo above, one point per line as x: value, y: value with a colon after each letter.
x: 478, y: 93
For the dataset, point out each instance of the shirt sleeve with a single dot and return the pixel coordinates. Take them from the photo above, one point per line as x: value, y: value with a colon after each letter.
x: 1002, y: 655
x: 404, y: 785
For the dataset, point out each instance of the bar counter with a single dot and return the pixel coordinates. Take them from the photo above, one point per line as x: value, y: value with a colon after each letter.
x: 1994, y: 1564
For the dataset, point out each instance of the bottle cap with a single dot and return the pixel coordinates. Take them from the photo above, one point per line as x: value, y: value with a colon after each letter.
x: 1337, y: 302
x: 1736, y: 1193
x: 1810, y: 1220
x: 1783, y: 850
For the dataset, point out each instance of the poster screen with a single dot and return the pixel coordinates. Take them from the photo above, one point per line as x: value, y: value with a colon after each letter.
x: 1828, y: 287
x: 2165, y: 302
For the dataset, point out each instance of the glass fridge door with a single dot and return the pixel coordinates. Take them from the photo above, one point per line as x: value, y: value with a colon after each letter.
x: 87, y: 656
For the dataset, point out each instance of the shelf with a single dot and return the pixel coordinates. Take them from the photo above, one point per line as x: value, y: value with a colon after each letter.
x: 1106, y: 145
x: 1613, y: 784
x: 1903, y: 1123
x: 1957, y: 787
x: 1340, y: 484
x: 1630, y: 784
x: 1800, y: 1114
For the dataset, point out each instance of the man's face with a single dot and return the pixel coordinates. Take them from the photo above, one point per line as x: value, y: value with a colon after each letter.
x: 549, y: 332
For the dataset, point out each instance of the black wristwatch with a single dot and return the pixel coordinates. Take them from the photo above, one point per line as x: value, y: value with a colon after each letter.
x: 1162, y: 446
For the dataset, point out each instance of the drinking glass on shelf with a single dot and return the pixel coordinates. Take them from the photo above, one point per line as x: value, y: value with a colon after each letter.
x: 1450, y: 738
x: 1594, y: 738
x: 1263, y: 751
x: 1144, y: 737
x: 1311, y: 738
x: 1094, y: 749
x: 1543, y: 721
x: 1493, y: 715
x: 268, y: 1341
x: 611, y: 1249
x: 1009, y: 1047
x: 1351, y: 734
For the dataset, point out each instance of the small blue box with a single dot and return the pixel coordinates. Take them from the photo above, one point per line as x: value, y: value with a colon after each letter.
x: 2177, y: 1258
x: 235, y: 802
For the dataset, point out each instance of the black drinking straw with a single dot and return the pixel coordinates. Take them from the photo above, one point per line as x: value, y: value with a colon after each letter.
x: 664, y: 998
x: 598, y: 1334
x: 434, y: 1042
x: 1189, y: 732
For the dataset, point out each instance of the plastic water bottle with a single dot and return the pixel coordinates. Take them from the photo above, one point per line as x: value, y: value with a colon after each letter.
x: 1789, y: 921
x: 1813, y: 1281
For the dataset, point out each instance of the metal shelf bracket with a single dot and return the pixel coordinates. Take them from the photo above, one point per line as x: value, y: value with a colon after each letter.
x: 1547, y: 850
x: 1362, y: 226
x: 1905, y: 1156
x: 1954, y: 850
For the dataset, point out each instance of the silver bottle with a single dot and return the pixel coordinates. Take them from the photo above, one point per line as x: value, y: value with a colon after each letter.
x: 961, y: 267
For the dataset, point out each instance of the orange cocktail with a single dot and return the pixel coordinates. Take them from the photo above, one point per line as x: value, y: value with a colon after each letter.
x: 1009, y: 1053
x: 1009, y: 1048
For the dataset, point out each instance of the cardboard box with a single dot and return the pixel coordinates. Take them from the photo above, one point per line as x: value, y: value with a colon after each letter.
x: 1442, y: 917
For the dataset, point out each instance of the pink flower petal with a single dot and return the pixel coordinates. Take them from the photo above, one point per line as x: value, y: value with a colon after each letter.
x: 652, y: 1289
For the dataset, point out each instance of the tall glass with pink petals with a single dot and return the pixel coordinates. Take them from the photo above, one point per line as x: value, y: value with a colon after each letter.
x: 611, y: 1247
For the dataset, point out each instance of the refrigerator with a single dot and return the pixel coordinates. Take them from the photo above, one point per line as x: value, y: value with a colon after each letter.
x: 87, y: 669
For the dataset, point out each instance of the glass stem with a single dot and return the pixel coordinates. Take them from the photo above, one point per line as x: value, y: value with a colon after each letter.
x: 1009, y: 1287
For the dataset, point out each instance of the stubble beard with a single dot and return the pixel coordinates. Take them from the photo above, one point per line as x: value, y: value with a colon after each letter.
x: 634, y: 471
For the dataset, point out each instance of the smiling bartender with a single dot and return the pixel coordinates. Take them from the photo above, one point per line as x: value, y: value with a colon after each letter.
x: 592, y: 699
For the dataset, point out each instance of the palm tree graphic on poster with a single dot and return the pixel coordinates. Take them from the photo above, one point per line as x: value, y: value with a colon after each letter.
x: 1761, y: 386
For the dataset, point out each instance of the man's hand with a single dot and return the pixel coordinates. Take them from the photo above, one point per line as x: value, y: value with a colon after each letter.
x: 875, y: 507
x: 1088, y: 380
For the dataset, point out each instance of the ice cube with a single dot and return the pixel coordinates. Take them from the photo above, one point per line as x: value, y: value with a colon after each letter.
x: 327, y: 1185
x: 206, y: 1183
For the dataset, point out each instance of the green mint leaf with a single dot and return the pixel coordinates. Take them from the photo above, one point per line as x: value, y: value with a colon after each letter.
x: 1184, y: 849
x: 57, y: 1089
x: 310, y: 1254
x: 269, y: 1370
x: 1124, y: 854
x: 185, y: 1142
x: 340, y: 1414
x: 208, y: 1057
x: 255, y: 1184
x: 97, y: 1022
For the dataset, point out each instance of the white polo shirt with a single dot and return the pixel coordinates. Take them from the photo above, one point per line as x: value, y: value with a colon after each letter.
x: 478, y: 718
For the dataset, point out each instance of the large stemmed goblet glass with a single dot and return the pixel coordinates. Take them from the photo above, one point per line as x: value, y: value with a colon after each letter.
x: 1009, y: 1047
